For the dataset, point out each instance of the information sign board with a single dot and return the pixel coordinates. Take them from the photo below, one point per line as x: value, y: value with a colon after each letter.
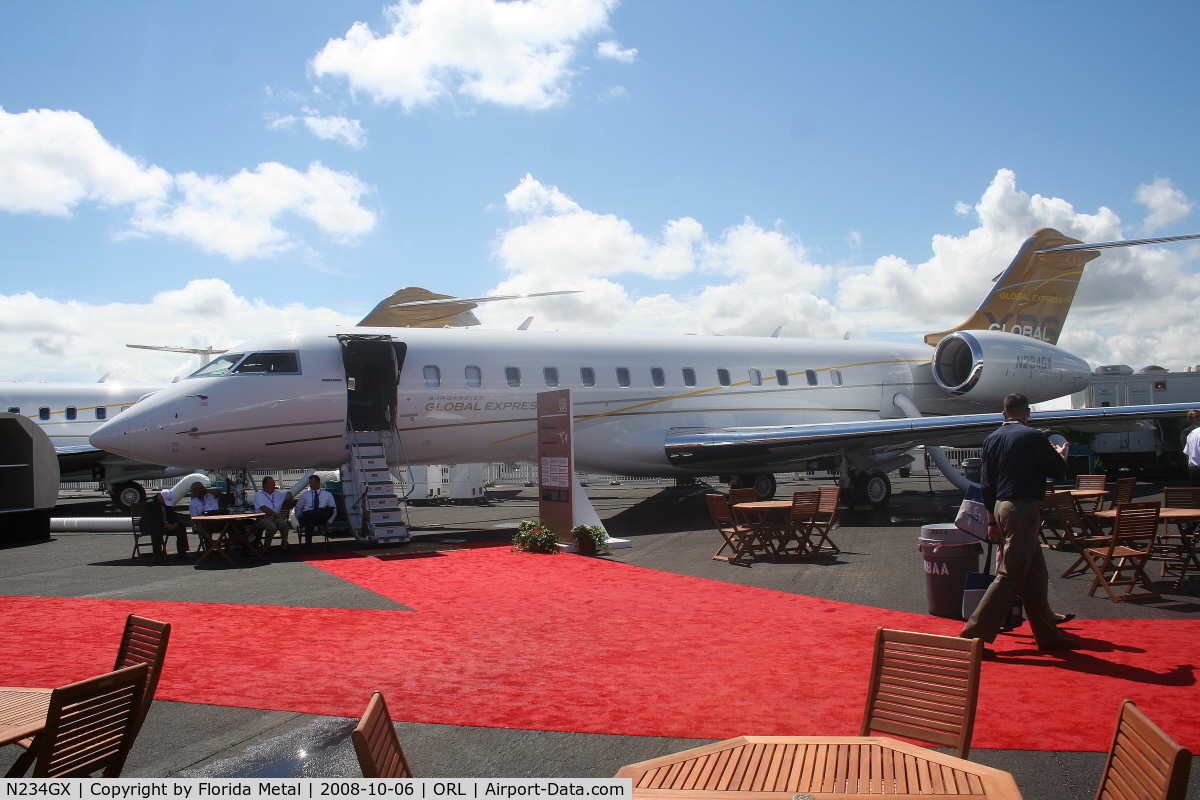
x: 556, y: 462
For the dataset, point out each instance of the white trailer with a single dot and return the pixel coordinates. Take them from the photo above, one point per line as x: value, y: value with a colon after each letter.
x: 1157, y: 451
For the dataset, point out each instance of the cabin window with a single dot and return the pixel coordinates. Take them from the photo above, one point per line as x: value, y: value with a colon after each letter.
x: 101, y: 412
x: 587, y: 376
x: 473, y: 375
x: 72, y: 412
x: 273, y: 363
x: 755, y: 378
x: 723, y: 377
x: 623, y: 376
x: 14, y: 410
x: 551, y: 375
x: 513, y: 376
x: 43, y: 413
x: 835, y: 376
x: 781, y: 377
x: 658, y: 377
x: 811, y: 376
x: 218, y: 366
x: 432, y: 375
x: 689, y: 376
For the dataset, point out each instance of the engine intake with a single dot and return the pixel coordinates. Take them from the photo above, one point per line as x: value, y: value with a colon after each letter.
x: 985, y: 366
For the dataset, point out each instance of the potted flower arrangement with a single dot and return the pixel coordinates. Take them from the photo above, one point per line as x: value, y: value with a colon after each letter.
x: 590, y: 539
x: 534, y: 537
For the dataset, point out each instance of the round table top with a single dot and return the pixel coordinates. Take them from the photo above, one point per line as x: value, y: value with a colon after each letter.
x: 238, y: 515
x: 764, y: 504
x: 1087, y: 492
x: 1163, y: 513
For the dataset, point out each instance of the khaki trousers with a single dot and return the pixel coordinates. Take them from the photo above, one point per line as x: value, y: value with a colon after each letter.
x: 1021, y: 572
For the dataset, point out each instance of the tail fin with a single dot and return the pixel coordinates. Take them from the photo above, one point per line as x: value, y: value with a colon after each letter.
x: 1031, y: 297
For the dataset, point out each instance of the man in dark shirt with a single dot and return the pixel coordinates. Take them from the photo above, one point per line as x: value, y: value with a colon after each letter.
x: 159, y: 520
x: 1017, y: 460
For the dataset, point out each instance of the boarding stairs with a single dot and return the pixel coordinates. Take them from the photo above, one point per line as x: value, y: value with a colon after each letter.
x: 372, y: 506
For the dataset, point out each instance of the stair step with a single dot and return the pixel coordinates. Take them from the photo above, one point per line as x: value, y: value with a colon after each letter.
x: 391, y: 533
x: 374, y: 475
x: 386, y: 516
x: 382, y: 502
x: 370, y: 462
x: 380, y: 490
x: 367, y: 450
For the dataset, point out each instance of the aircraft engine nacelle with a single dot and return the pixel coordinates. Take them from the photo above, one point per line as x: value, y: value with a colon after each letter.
x: 984, y: 366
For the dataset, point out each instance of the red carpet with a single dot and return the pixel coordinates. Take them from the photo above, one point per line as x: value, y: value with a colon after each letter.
x: 503, y: 639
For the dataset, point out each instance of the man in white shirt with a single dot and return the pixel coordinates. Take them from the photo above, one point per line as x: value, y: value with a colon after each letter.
x: 1192, y: 450
x: 314, y: 509
x: 203, y: 501
x: 273, y: 505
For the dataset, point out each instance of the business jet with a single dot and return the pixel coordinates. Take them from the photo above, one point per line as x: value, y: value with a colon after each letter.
x: 644, y: 405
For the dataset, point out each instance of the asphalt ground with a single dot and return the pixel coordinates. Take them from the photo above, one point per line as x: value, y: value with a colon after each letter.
x: 669, y: 529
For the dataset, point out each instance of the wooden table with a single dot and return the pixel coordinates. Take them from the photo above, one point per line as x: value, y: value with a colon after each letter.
x: 22, y: 713
x: 231, y: 534
x: 1087, y: 496
x: 814, y: 768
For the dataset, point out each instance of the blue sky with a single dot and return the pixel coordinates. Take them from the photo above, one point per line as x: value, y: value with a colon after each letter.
x: 689, y: 163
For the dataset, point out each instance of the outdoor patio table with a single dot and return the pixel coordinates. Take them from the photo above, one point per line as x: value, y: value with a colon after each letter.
x: 231, y: 533
x: 1087, y: 496
x: 814, y: 768
x: 1189, y: 553
x: 22, y: 713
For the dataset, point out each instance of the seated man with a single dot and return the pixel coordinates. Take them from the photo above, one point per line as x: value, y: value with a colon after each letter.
x: 159, y: 520
x: 274, y: 505
x: 204, y: 502
x: 315, y: 508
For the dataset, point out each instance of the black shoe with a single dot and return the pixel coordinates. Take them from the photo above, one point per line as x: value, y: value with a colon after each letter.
x: 1059, y: 619
x: 989, y: 655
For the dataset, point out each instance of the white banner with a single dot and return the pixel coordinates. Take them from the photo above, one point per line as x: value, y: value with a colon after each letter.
x: 415, y: 788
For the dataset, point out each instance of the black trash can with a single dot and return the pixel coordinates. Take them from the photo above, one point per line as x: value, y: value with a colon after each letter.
x: 949, y: 554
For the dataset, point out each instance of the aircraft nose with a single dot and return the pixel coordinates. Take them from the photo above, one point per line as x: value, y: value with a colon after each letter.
x: 112, y: 436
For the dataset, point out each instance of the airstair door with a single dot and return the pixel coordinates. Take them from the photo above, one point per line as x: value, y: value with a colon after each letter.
x: 373, y: 366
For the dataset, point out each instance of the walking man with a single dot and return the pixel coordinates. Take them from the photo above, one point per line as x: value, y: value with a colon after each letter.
x: 1191, y: 447
x: 1017, y: 460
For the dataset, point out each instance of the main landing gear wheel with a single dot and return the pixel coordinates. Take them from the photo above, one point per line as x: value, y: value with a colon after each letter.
x: 126, y: 494
x: 873, y: 488
x: 763, y: 485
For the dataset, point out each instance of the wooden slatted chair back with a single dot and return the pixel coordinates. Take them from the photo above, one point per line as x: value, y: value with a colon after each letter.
x: 1143, y: 761
x: 1135, y: 522
x: 1123, y: 491
x: 924, y: 687
x: 377, y: 745
x: 135, y: 518
x: 719, y: 510
x: 1181, y: 497
x: 144, y: 642
x: 742, y: 496
x: 1091, y: 481
x: 1060, y: 513
x: 831, y: 496
x: 804, y: 507
x: 91, y: 725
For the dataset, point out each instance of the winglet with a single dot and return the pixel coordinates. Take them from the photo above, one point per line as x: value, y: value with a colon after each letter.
x: 1031, y: 297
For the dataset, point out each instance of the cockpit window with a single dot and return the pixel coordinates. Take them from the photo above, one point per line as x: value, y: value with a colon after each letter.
x: 269, y: 362
x: 218, y: 366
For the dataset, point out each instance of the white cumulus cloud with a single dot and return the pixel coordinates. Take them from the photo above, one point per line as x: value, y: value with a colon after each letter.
x: 52, y: 161
x: 349, y: 132
x: 46, y: 339
x: 516, y: 53
x: 1135, y: 306
x: 1166, y: 203
x: 611, y: 49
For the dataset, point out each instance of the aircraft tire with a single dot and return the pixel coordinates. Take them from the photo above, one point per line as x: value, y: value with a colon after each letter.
x: 764, y: 486
x: 873, y: 488
x: 126, y: 494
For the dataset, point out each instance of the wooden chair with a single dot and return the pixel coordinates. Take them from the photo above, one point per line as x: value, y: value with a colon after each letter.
x: 377, y: 745
x: 826, y: 519
x: 1126, y: 551
x: 1099, y: 482
x: 144, y: 641
x: 1143, y: 761
x: 740, y: 538
x: 90, y: 726
x: 742, y: 496
x: 1063, y: 522
x: 1176, y: 552
x: 1123, y: 491
x: 793, y: 535
x: 135, y: 516
x: 924, y: 687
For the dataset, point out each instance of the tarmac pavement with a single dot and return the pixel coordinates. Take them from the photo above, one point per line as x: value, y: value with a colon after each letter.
x: 881, y: 566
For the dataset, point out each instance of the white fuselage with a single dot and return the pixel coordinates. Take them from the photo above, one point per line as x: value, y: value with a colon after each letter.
x: 470, y: 396
x: 69, y: 412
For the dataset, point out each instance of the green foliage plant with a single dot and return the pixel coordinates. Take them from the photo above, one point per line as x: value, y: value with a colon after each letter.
x: 595, y: 533
x: 534, y: 537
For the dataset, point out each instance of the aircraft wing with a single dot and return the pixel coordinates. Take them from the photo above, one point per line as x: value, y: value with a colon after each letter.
x: 79, y: 457
x: 783, y: 446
